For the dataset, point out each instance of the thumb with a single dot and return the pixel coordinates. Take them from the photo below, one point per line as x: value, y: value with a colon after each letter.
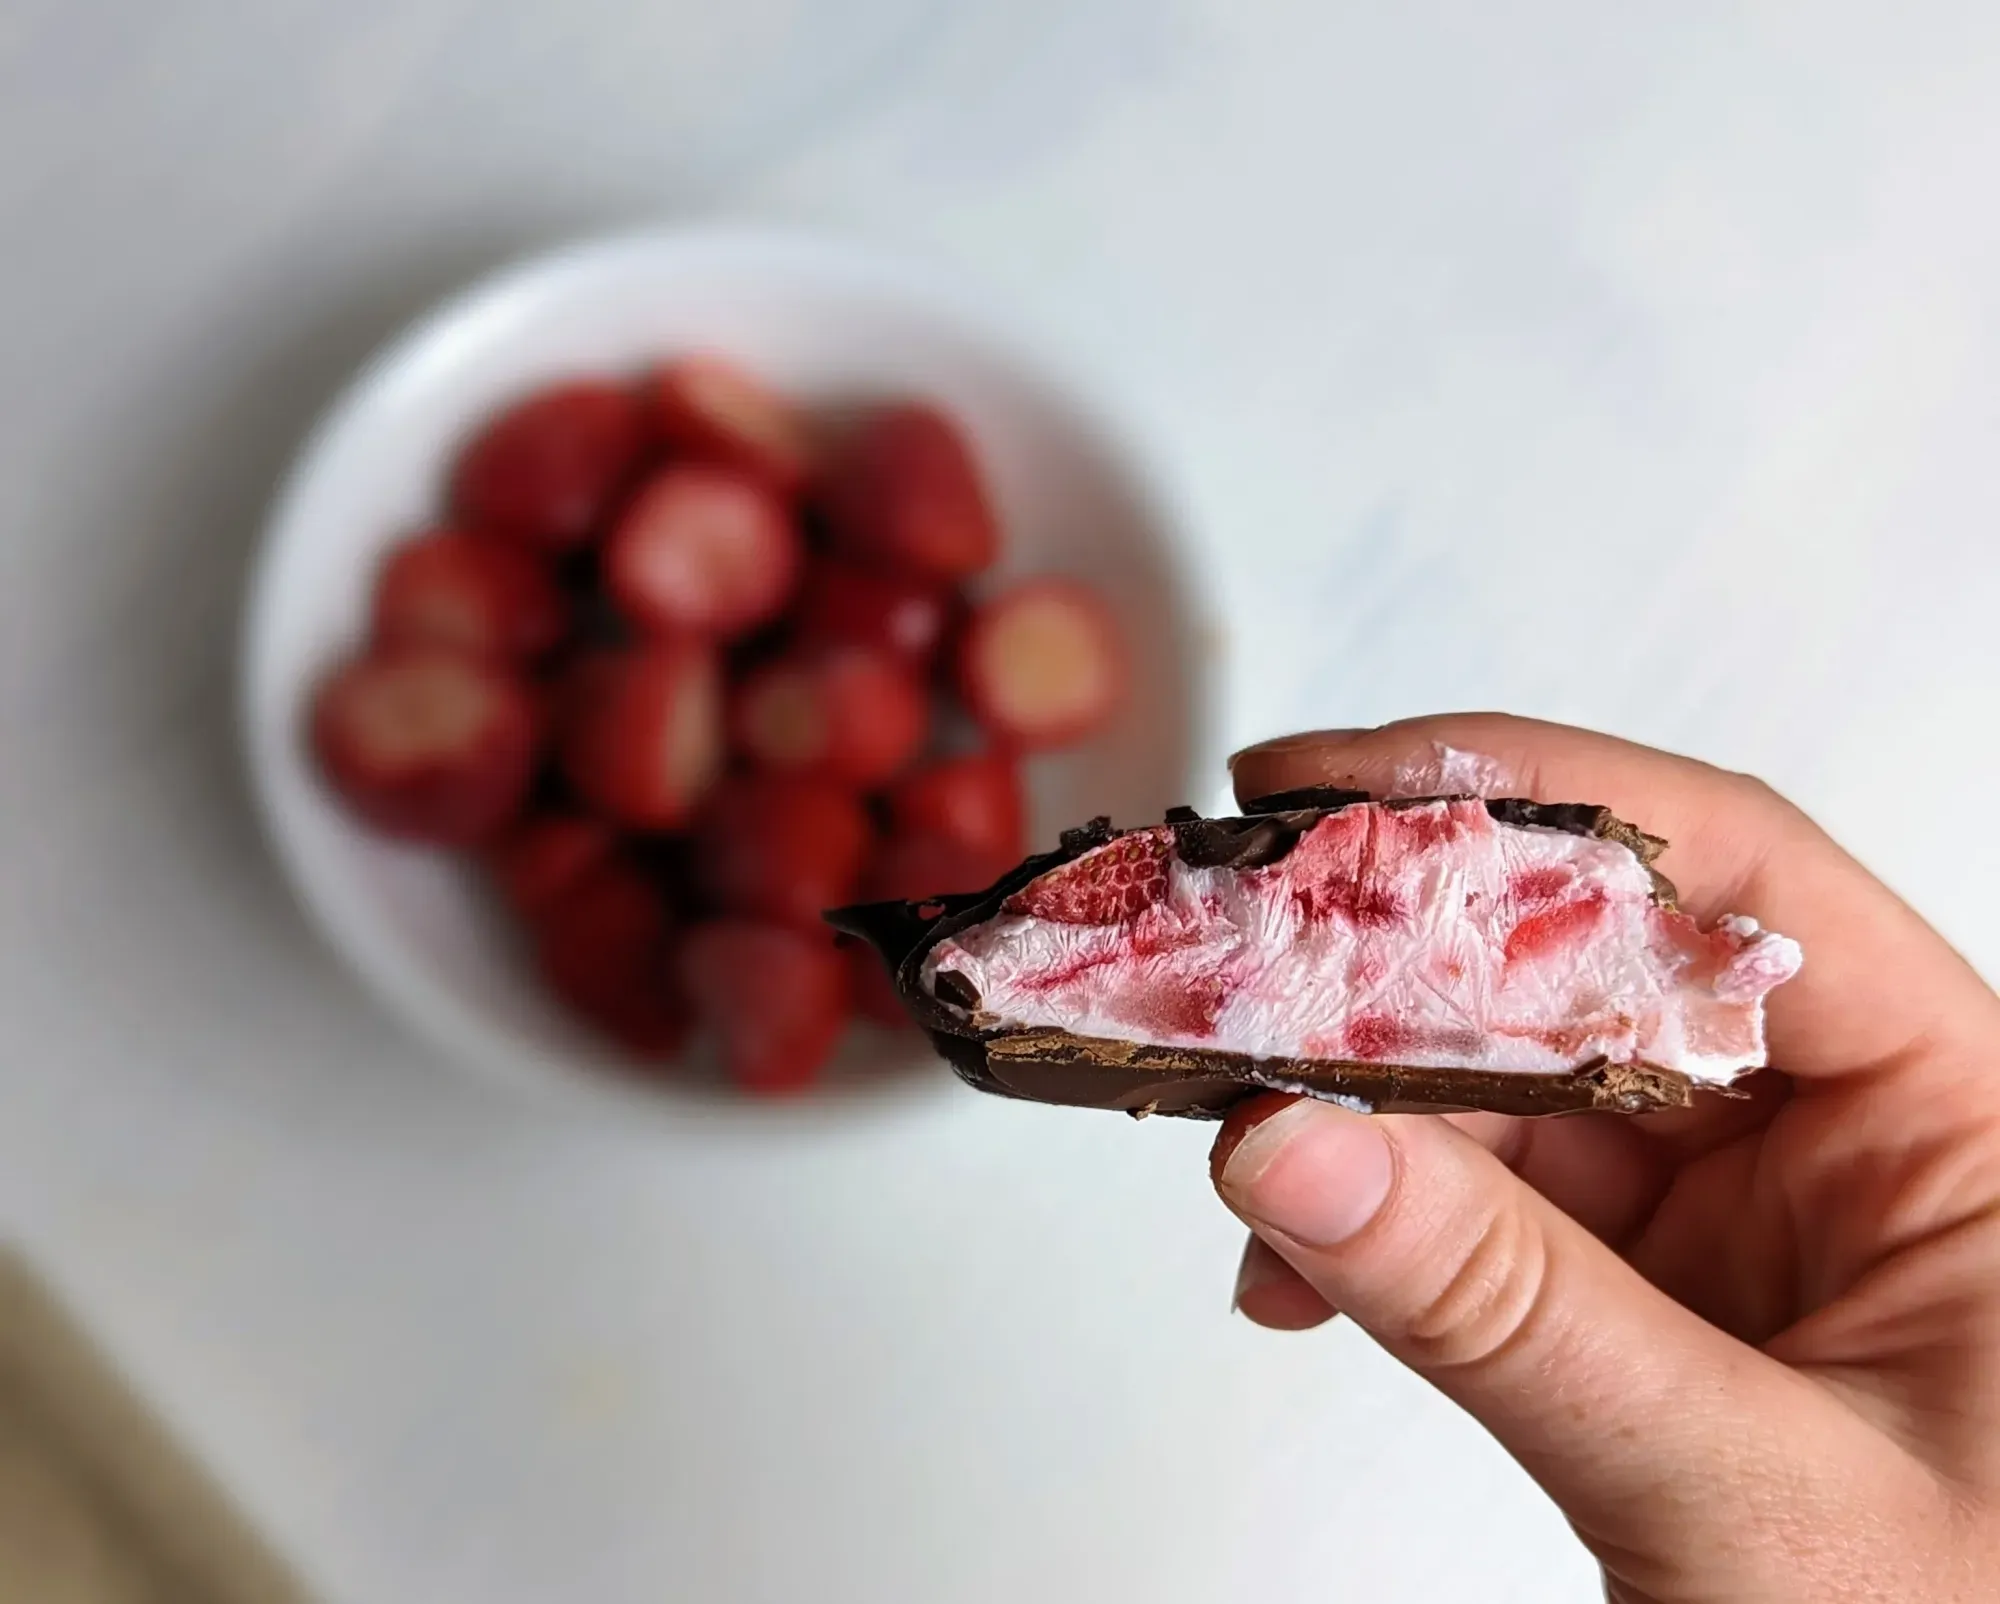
x: 1624, y: 1405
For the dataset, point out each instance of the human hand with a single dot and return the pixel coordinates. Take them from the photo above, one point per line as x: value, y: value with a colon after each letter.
x: 1751, y: 1348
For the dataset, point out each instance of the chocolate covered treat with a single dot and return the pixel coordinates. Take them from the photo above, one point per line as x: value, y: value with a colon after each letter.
x: 1424, y: 954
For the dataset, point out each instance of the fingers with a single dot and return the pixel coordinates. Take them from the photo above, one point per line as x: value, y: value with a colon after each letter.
x: 1599, y: 1169
x: 1270, y: 1293
x: 1877, y: 982
x: 1616, y: 1399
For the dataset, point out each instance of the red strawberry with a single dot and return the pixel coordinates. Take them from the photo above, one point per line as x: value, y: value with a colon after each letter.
x: 1042, y: 664
x: 775, y: 998
x: 784, y: 850
x: 450, y: 588
x: 605, y: 947
x: 642, y: 736
x: 874, y: 988
x: 542, y: 857
x: 710, y: 409
x: 702, y: 549
x: 547, y: 469
x: 914, y: 868
x: 846, y: 714
x: 427, y: 744
x: 842, y: 604
x: 975, y: 800
x: 1116, y: 882
x: 904, y: 492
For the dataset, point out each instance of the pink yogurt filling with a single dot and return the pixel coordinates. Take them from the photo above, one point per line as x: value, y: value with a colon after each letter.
x: 1428, y: 936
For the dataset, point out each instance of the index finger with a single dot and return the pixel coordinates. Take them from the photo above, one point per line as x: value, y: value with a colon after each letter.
x: 1878, y: 983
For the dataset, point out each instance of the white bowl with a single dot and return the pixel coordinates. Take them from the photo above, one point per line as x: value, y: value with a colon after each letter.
x: 826, y: 322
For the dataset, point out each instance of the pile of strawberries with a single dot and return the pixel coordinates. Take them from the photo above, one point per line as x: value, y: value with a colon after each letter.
x: 681, y: 674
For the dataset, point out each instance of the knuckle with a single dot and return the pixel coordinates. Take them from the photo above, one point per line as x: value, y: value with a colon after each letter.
x: 1755, y: 788
x: 1761, y: 797
x: 1494, y: 1301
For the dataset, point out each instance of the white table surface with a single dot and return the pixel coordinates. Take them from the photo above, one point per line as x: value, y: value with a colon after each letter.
x: 1632, y: 365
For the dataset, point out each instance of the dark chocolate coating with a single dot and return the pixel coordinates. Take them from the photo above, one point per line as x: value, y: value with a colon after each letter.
x: 1055, y: 1066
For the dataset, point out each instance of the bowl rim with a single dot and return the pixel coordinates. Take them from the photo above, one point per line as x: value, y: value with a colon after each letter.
x: 340, y: 918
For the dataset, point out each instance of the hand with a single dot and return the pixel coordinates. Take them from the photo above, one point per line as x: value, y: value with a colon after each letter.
x: 1751, y: 1348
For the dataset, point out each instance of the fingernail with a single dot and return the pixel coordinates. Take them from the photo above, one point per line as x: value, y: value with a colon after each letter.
x: 1316, y: 1173
x: 1284, y: 744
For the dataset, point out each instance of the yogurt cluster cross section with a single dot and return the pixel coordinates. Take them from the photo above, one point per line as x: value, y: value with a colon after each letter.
x: 1430, y: 936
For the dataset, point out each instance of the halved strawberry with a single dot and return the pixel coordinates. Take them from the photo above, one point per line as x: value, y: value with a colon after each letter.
x: 914, y: 868
x: 548, y: 468
x: 848, y: 714
x: 544, y: 856
x: 427, y: 744
x: 606, y: 949
x: 451, y: 588
x: 642, y: 731
x: 874, y: 988
x: 779, y: 849
x: 776, y: 999
x: 975, y: 800
x: 702, y: 549
x: 709, y: 408
x: 1042, y: 664
x: 1116, y: 882
x: 844, y: 604
x: 904, y: 491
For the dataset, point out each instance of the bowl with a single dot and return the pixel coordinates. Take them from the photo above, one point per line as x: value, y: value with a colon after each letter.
x: 832, y: 324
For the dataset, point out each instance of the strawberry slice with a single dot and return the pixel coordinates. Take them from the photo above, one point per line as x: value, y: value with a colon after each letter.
x: 642, y: 731
x: 708, y: 408
x: 548, y: 468
x: 904, y: 492
x: 842, y: 604
x: 606, y: 949
x: 975, y: 800
x: 543, y: 857
x: 427, y: 744
x: 775, y: 998
x: 451, y: 588
x: 1042, y: 664
x: 702, y: 549
x: 846, y: 714
x: 1116, y: 882
x: 914, y: 868
x: 777, y: 849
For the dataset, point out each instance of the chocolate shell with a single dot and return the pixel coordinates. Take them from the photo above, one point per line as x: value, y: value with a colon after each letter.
x: 1055, y: 1066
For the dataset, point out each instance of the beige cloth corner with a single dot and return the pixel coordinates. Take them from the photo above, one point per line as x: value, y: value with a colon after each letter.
x: 97, y: 1504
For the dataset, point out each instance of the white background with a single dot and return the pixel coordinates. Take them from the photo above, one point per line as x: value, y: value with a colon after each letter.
x: 1632, y: 365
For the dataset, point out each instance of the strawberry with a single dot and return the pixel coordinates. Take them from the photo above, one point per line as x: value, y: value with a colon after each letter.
x: 708, y: 408
x: 642, y: 731
x: 1042, y: 664
x: 775, y: 998
x: 974, y: 800
x: 847, y: 714
x: 874, y: 988
x: 784, y: 850
x: 450, y: 588
x: 427, y: 744
x: 915, y: 868
x: 606, y: 948
x: 1116, y: 882
x: 702, y: 549
x: 547, y: 469
x: 905, y: 493
x: 843, y: 604
x: 545, y: 855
